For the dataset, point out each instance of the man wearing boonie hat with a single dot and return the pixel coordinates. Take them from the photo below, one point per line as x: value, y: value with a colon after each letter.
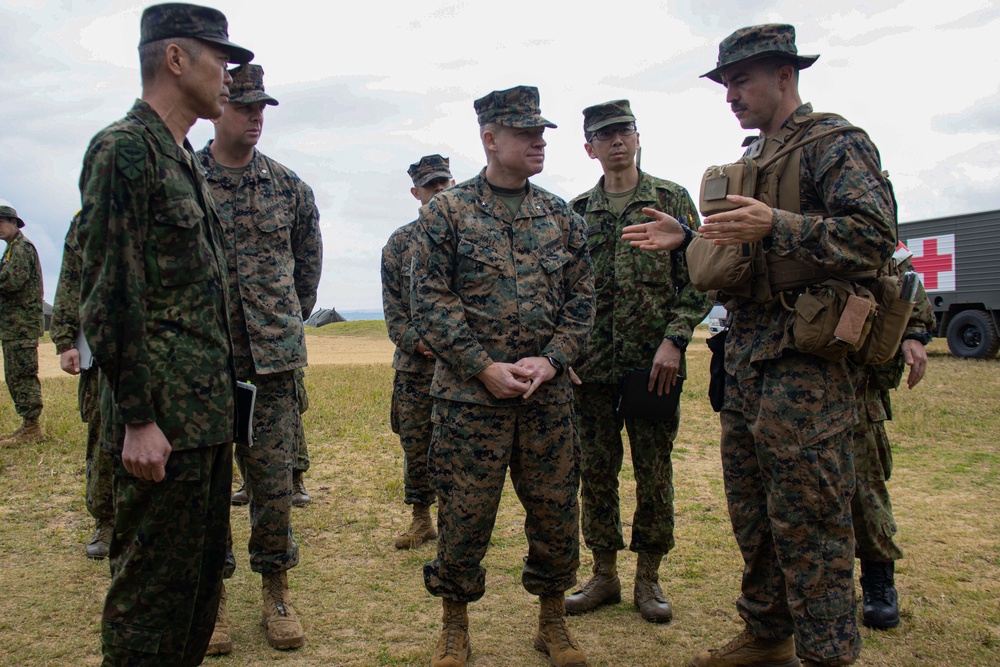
x: 21, y: 325
x: 274, y: 253
x: 413, y: 361
x: 154, y: 312
x: 646, y: 311
x: 503, y: 295
x: 787, y: 415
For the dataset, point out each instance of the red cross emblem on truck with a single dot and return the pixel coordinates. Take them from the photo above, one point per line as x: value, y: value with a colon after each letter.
x: 934, y: 259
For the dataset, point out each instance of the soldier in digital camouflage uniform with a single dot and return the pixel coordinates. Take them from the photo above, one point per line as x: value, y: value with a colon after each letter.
x: 64, y: 329
x: 646, y: 311
x: 503, y: 294
x: 21, y: 325
x: 413, y: 361
x: 154, y: 310
x: 274, y: 253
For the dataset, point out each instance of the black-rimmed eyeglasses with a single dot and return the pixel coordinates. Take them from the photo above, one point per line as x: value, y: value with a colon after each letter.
x: 608, y: 133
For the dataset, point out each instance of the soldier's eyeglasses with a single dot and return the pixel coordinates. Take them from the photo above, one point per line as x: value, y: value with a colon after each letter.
x: 608, y: 133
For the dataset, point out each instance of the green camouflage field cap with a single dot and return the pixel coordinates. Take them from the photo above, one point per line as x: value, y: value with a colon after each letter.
x: 609, y: 113
x: 9, y: 212
x: 248, y: 86
x: 514, y: 107
x: 759, y: 41
x: 179, y: 19
x: 429, y: 168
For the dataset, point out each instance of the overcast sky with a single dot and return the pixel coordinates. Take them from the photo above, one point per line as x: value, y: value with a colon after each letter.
x: 367, y: 88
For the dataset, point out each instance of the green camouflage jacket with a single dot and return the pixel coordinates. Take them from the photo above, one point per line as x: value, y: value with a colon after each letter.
x: 66, y: 307
x: 20, y: 291
x: 274, y: 252
x: 641, y: 297
x: 396, y: 282
x: 153, y: 302
x: 490, y: 289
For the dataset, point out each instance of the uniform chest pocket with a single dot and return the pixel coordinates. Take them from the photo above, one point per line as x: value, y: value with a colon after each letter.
x: 553, y: 256
x: 180, y: 232
x: 483, y: 251
x: 273, y: 220
x: 653, y: 269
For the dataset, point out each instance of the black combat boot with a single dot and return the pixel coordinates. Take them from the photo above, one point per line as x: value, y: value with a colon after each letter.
x: 878, y: 588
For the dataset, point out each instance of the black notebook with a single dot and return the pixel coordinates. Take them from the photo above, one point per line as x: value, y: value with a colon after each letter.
x: 635, y: 401
x: 246, y: 396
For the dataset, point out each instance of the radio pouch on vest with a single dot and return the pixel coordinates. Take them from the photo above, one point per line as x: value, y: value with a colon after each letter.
x: 738, y: 178
x: 889, y: 325
x: 832, y: 318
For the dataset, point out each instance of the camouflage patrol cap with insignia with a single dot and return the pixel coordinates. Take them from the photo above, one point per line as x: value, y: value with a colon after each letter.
x: 9, y: 212
x: 774, y: 40
x: 179, y: 19
x: 609, y: 113
x: 248, y: 86
x: 514, y: 107
x: 429, y: 168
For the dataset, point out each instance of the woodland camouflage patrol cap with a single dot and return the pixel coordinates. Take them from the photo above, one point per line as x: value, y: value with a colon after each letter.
x: 609, y: 113
x: 178, y: 19
x: 248, y: 86
x: 429, y: 168
x: 759, y: 41
x: 514, y: 107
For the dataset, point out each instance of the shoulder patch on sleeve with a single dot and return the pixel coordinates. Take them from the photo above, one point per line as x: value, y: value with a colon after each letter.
x: 130, y: 157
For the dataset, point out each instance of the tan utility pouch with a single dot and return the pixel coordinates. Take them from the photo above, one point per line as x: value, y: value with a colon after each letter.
x: 832, y: 318
x: 738, y: 178
x: 889, y: 325
x: 727, y: 268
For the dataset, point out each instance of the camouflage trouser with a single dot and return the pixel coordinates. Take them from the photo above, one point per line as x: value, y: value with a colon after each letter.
x: 267, y: 470
x: 789, y: 475
x: 874, y: 524
x: 472, y: 447
x: 166, y: 556
x: 302, y: 452
x: 601, y: 450
x: 20, y: 372
x: 411, y: 418
x: 100, y: 463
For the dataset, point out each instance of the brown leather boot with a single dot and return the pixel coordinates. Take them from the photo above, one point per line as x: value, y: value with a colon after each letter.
x: 100, y: 543
x: 421, y: 529
x: 222, y: 639
x: 601, y: 589
x: 300, y: 497
x: 28, y: 433
x: 745, y: 650
x: 453, y: 647
x: 553, y: 638
x: 240, y: 496
x: 281, y: 625
x: 647, y: 594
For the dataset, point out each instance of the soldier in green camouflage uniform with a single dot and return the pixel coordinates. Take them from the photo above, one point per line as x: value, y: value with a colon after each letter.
x: 274, y: 252
x: 787, y: 416
x: 646, y: 311
x: 21, y: 325
x: 64, y: 330
x: 154, y: 310
x: 413, y: 361
x: 503, y: 295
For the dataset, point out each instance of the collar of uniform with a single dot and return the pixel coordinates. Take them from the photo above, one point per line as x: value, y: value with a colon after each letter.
x: 257, y: 169
x: 535, y: 205
x: 798, y: 116
x: 148, y: 117
x: 645, y: 192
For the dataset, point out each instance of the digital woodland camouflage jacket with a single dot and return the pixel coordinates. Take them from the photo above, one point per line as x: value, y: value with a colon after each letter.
x: 20, y: 291
x: 396, y: 282
x: 66, y: 306
x: 487, y: 289
x: 153, y: 302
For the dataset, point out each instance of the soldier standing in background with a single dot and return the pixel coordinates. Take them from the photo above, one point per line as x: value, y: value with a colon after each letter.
x: 413, y: 361
x: 154, y: 311
x: 21, y: 325
x: 646, y: 310
x: 503, y: 293
x: 64, y: 330
x: 274, y: 252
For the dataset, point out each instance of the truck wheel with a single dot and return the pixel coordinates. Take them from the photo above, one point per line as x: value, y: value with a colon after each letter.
x: 972, y: 335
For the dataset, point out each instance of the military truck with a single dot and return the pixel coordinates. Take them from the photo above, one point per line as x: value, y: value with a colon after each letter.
x: 958, y: 259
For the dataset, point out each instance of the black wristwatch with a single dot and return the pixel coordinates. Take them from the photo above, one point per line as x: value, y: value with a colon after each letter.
x: 922, y: 336
x: 680, y: 341
x: 688, y: 235
x: 556, y: 365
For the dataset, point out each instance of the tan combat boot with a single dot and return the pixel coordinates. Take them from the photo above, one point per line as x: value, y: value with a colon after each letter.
x: 29, y: 433
x: 281, y: 625
x: 748, y: 651
x: 647, y: 594
x: 453, y: 648
x: 421, y: 529
x: 553, y: 638
x: 602, y: 588
x: 222, y: 639
x: 100, y: 543
x: 300, y: 497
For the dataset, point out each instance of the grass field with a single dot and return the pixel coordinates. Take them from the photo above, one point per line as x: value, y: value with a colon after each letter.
x: 363, y: 602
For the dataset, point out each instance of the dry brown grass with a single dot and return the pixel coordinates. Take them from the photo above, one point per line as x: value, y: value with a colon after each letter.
x: 363, y: 603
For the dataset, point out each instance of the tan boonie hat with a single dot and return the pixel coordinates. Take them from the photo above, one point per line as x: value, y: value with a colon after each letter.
x: 248, y: 86
x: 179, y: 19
x: 514, y: 107
x: 759, y: 41
x: 9, y: 212
x: 429, y: 168
x: 609, y: 113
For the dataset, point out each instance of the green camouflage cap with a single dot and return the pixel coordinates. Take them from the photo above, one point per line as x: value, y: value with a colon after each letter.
x: 609, y: 113
x: 514, y: 107
x: 429, y: 168
x: 248, y: 86
x: 759, y: 41
x: 178, y: 19
x: 9, y: 212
